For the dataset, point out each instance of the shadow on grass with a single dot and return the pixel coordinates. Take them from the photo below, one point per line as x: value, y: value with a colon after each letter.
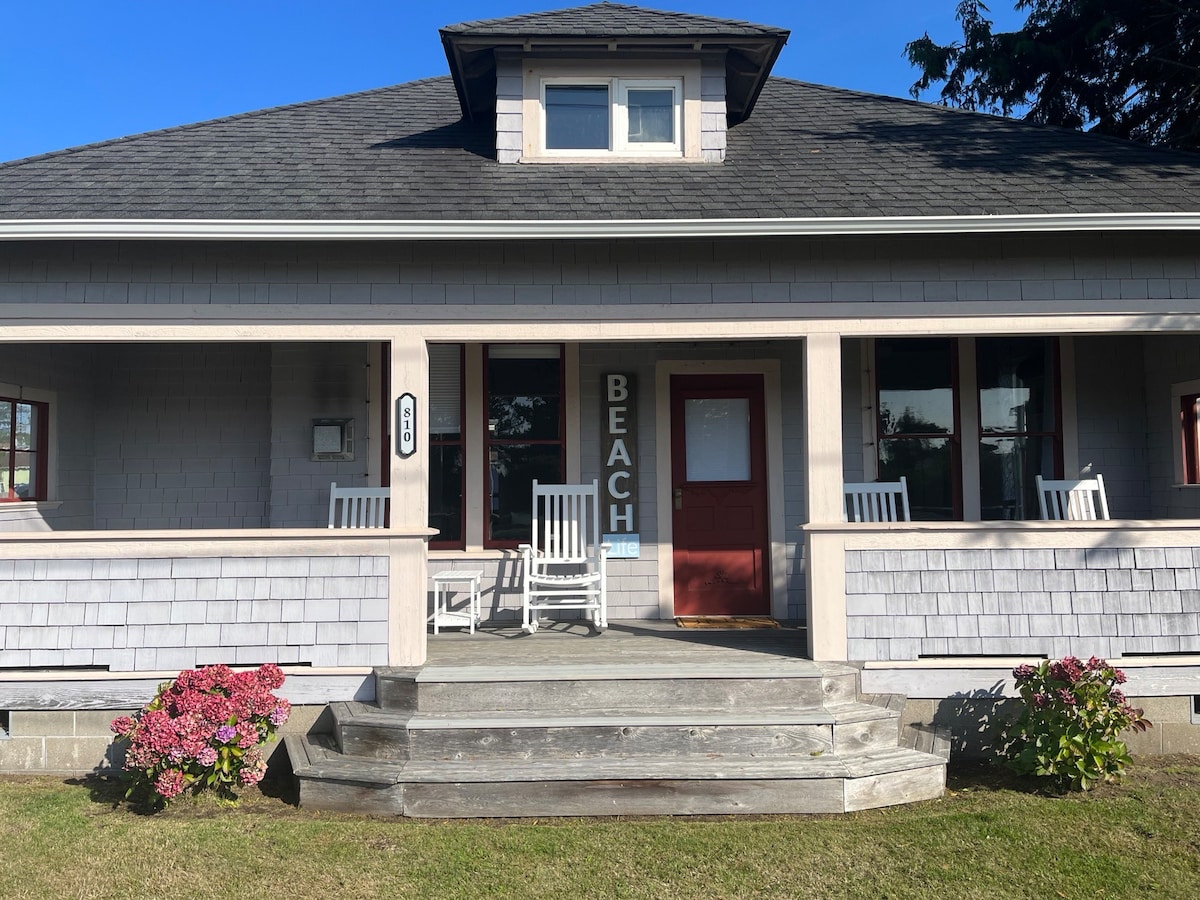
x: 278, y: 789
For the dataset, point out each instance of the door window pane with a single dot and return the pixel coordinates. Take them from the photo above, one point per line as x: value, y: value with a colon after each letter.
x: 577, y: 117
x: 651, y: 115
x: 717, y: 439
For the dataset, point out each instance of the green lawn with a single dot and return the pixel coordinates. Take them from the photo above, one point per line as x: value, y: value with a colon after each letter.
x: 988, y: 837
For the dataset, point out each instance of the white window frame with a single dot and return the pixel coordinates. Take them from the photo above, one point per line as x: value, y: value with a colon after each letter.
x: 618, y: 117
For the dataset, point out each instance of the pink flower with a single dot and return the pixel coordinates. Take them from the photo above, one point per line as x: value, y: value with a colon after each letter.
x: 122, y: 725
x: 169, y: 784
x: 206, y: 756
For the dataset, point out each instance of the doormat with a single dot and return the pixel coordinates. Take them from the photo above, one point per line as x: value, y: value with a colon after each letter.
x: 726, y: 622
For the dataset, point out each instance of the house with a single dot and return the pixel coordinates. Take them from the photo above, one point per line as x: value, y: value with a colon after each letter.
x: 607, y: 223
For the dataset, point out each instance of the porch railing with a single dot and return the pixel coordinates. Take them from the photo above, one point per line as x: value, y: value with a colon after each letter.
x: 916, y: 590
x: 164, y: 601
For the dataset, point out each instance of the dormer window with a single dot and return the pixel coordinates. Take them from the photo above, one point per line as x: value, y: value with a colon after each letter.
x: 626, y: 116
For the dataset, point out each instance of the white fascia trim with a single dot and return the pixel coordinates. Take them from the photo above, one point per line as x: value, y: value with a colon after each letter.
x: 557, y: 229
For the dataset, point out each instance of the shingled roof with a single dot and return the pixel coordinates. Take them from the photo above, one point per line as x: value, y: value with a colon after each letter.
x: 404, y: 153
x: 608, y: 19
x: 604, y: 29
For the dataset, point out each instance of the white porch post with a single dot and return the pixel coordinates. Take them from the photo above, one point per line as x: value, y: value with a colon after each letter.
x: 409, y: 507
x: 825, y: 574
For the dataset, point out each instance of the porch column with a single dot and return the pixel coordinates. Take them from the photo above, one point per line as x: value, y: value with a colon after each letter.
x: 409, y: 506
x: 825, y: 572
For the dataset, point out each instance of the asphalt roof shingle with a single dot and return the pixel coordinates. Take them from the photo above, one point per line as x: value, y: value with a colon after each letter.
x: 610, y: 20
x: 403, y: 153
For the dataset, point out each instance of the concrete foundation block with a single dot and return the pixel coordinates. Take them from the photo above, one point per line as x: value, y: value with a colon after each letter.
x: 22, y: 754
x: 40, y: 723
x: 80, y: 755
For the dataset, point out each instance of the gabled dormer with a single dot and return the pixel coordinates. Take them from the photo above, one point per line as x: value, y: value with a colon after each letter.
x: 610, y: 82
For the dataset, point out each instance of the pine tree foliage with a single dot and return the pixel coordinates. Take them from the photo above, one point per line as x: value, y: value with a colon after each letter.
x: 1126, y: 68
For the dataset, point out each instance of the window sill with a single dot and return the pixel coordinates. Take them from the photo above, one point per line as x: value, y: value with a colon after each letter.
x: 609, y: 159
x: 474, y: 553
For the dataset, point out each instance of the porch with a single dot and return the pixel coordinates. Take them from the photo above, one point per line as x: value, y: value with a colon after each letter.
x: 645, y: 718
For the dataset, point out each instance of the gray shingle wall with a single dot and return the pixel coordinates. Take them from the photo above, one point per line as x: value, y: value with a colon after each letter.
x: 712, y: 111
x: 1168, y: 360
x: 509, y: 112
x: 314, y: 381
x: 1111, y: 601
x: 165, y: 614
x: 799, y: 275
x: 182, y: 436
x: 632, y: 583
x: 1112, y: 410
x: 67, y: 371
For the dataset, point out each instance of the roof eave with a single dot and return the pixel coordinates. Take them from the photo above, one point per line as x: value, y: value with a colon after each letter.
x: 580, y: 229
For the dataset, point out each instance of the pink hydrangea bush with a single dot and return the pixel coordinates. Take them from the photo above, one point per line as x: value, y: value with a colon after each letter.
x: 204, y: 730
x: 1069, y: 731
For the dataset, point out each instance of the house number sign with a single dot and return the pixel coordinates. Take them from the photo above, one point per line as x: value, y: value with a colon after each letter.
x: 406, y: 425
x: 618, y: 430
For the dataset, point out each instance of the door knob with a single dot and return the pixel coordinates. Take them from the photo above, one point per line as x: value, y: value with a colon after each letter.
x: 678, y: 495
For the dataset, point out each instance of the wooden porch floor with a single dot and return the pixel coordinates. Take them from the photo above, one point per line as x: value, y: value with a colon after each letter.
x: 628, y: 642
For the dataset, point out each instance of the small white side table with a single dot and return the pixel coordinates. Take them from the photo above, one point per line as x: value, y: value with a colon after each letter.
x: 443, y: 615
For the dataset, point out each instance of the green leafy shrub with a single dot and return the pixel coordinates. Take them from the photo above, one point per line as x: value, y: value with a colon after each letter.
x: 1069, y: 730
x: 204, y: 730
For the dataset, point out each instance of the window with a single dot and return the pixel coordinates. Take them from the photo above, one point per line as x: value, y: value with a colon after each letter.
x: 524, y: 435
x: 632, y: 116
x: 446, y: 452
x: 1020, y: 435
x: 920, y: 407
x: 23, y: 441
x: 916, y: 380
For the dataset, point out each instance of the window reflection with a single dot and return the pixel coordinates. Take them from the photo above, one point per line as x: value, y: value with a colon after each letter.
x: 1018, y: 421
x: 577, y: 117
x: 524, y: 435
x: 916, y: 396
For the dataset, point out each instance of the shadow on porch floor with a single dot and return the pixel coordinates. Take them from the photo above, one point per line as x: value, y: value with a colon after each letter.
x: 626, y: 641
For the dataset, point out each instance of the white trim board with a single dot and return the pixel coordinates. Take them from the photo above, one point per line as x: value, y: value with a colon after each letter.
x: 559, y: 229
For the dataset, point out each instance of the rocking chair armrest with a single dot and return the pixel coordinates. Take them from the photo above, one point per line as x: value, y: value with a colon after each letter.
x: 526, y: 550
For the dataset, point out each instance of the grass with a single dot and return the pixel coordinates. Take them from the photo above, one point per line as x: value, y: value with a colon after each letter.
x: 989, y: 836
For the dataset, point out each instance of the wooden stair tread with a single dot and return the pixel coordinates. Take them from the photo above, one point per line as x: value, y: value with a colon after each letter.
x: 315, y: 760
x: 790, y: 668
x: 841, y: 714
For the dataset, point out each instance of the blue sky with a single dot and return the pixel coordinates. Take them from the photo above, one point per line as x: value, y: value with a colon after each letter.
x: 77, y: 71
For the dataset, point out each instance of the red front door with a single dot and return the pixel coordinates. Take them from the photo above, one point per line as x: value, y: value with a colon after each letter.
x: 719, y: 495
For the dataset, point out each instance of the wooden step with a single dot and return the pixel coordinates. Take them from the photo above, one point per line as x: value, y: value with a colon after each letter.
x: 846, y: 728
x: 643, y: 785
x: 777, y: 684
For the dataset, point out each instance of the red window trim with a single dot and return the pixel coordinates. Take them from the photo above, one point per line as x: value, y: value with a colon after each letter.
x: 1189, y: 435
x: 41, y: 440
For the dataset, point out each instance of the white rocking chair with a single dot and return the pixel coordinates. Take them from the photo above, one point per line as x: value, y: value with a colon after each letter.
x: 360, y: 507
x: 565, y: 562
x: 877, y: 501
x: 1078, y: 501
